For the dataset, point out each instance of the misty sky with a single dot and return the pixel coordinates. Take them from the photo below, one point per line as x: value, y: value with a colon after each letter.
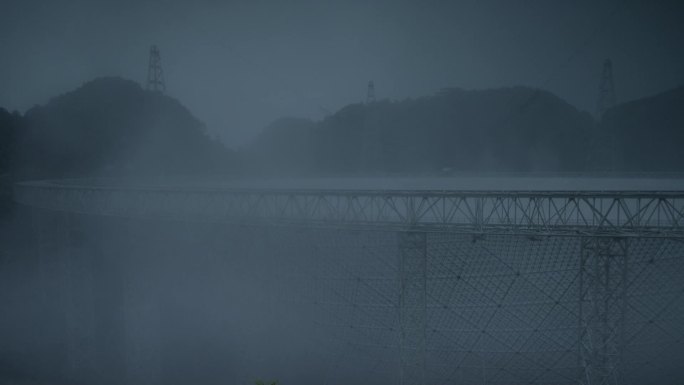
x: 240, y: 64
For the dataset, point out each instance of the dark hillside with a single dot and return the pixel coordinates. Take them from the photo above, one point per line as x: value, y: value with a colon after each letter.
x: 10, y: 123
x: 648, y: 133
x: 508, y: 129
x: 111, y: 126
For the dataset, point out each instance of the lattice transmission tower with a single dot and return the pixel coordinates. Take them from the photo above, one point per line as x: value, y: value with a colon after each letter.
x: 602, y: 309
x: 412, y: 307
x: 605, y: 142
x: 370, y: 93
x: 155, y: 74
x: 574, y: 288
x: 606, y: 99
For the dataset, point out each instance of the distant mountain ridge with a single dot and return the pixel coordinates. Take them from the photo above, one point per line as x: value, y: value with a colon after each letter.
x: 646, y: 134
x: 111, y: 126
x: 517, y: 129
x: 506, y: 129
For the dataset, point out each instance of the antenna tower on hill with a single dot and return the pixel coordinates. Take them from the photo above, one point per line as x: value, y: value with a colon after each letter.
x: 155, y: 74
x: 606, y: 99
x: 370, y: 94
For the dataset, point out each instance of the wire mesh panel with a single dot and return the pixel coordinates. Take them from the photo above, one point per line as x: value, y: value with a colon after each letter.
x: 412, y: 306
x: 426, y: 287
x: 498, y: 309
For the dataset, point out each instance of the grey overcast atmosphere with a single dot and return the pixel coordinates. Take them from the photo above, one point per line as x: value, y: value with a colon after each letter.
x: 239, y: 65
x: 342, y: 192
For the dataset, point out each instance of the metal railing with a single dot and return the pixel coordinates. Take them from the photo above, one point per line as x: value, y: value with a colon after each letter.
x: 534, y: 213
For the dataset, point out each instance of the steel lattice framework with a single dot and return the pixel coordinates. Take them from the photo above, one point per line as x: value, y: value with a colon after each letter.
x: 603, y: 302
x: 412, y: 306
x: 603, y: 221
x: 557, y: 213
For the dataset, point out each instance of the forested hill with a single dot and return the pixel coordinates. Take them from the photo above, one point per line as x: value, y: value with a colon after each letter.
x: 647, y: 134
x: 507, y: 129
x: 111, y: 126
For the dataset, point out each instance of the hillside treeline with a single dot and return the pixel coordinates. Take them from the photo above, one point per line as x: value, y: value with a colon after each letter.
x: 108, y: 127
x: 502, y: 130
x: 112, y: 127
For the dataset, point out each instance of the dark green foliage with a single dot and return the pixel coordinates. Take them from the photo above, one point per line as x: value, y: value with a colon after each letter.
x: 648, y: 133
x: 111, y: 126
x: 261, y: 382
x: 10, y: 124
x: 511, y: 129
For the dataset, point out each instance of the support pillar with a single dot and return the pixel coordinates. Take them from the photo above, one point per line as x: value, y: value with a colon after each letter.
x: 602, y: 309
x: 412, y: 307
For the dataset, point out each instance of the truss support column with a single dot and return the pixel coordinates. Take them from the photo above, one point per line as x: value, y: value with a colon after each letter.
x: 602, y: 309
x: 412, y: 306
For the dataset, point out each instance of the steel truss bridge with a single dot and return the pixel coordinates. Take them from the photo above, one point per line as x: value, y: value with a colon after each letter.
x: 604, y: 222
